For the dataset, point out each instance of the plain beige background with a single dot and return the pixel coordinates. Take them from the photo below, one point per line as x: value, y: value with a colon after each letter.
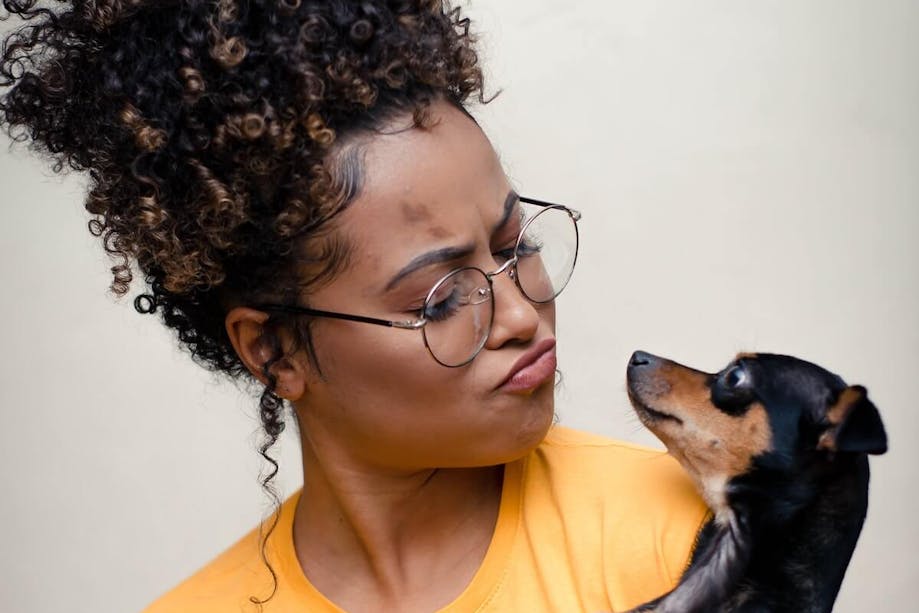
x: 749, y: 178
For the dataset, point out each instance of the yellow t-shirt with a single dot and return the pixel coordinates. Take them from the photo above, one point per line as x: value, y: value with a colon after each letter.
x: 585, y: 524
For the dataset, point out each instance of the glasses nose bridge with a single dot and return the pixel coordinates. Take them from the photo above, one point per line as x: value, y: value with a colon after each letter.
x: 510, y: 265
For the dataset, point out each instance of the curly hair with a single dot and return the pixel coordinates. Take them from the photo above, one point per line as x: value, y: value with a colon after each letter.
x: 214, y: 134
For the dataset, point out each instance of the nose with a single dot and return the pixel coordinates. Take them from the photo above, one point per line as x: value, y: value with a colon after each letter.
x: 643, y: 359
x: 515, y: 317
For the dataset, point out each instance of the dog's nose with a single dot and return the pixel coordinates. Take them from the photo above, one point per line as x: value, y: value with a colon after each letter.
x: 642, y: 359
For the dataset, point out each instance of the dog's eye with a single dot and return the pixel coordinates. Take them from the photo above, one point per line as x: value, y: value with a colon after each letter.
x: 736, y: 377
x: 732, y: 390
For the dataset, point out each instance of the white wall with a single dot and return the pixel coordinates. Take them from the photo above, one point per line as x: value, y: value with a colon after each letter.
x: 749, y: 178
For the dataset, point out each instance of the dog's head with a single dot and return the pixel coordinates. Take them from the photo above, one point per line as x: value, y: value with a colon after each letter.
x: 762, y: 410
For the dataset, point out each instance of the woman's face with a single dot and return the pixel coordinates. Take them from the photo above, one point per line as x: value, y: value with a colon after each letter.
x: 439, y: 195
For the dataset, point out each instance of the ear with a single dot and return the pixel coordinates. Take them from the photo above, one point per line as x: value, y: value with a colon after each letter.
x: 855, y: 424
x: 256, y: 347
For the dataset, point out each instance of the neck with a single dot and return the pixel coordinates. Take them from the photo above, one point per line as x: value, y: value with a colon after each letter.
x: 391, y: 533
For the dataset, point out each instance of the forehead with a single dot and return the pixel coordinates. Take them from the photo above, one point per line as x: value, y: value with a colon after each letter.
x: 423, y: 189
x: 785, y: 376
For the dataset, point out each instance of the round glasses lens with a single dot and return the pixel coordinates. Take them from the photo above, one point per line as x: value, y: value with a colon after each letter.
x: 458, y: 311
x: 546, y: 252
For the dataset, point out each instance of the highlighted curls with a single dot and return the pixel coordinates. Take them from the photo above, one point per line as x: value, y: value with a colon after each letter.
x: 215, y: 134
x: 208, y: 128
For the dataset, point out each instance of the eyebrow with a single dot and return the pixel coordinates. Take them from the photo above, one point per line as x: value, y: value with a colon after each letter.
x: 447, y: 254
x: 509, y: 202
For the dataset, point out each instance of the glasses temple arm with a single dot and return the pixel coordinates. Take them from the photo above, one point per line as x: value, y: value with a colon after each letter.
x: 576, y: 215
x: 345, y: 316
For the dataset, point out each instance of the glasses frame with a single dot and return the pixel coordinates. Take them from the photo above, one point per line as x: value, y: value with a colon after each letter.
x: 419, y: 324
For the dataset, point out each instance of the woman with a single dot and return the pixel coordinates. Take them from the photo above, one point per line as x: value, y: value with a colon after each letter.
x: 313, y: 207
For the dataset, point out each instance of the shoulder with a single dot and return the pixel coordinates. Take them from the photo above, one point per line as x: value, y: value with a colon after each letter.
x: 635, y: 502
x: 564, y: 437
x: 231, y: 580
x: 578, y: 472
x: 567, y: 454
x: 215, y: 587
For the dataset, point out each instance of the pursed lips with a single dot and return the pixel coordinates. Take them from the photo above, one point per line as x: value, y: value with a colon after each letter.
x: 532, y: 356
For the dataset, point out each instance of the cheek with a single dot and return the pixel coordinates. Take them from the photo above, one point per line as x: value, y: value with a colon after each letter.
x: 714, y: 447
x: 387, y: 383
x: 384, y: 397
x: 359, y: 356
x: 547, y: 315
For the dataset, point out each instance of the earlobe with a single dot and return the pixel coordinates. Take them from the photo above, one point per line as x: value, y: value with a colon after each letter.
x: 256, y: 346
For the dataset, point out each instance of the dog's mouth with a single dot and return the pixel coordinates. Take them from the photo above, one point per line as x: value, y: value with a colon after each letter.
x: 649, y: 415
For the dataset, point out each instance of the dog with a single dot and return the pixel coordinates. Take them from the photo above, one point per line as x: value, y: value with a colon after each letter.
x: 778, y: 449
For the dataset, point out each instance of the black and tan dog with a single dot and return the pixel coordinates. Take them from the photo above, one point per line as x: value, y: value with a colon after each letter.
x: 777, y: 446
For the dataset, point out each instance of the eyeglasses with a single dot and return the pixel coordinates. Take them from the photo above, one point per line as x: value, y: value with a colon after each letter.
x: 457, y: 314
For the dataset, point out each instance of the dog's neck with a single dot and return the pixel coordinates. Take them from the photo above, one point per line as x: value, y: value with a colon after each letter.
x: 780, y: 537
x: 802, y: 529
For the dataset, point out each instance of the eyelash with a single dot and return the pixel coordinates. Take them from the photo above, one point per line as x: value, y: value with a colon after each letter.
x: 505, y: 254
x: 526, y: 248
x: 443, y: 309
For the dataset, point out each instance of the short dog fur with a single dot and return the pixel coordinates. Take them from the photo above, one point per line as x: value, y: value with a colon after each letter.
x: 777, y: 447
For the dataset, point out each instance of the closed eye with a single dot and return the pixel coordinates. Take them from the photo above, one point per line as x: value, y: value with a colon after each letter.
x: 525, y: 249
x: 438, y: 311
x: 528, y: 246
x: 504, y: 255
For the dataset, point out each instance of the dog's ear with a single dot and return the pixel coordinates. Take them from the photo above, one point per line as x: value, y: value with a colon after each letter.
x: 855, y: 424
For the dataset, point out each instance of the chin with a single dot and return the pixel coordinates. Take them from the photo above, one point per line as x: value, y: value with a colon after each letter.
x: 529, y: 431
x: 514, y: 426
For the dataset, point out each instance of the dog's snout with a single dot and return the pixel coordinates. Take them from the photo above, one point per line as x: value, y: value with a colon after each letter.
x: 642, y: 359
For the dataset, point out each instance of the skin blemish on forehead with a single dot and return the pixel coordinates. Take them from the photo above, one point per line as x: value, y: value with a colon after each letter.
x: 414, y: 213
x: 430, y: 199
x: 438, y: 232
x: 420, y: 213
